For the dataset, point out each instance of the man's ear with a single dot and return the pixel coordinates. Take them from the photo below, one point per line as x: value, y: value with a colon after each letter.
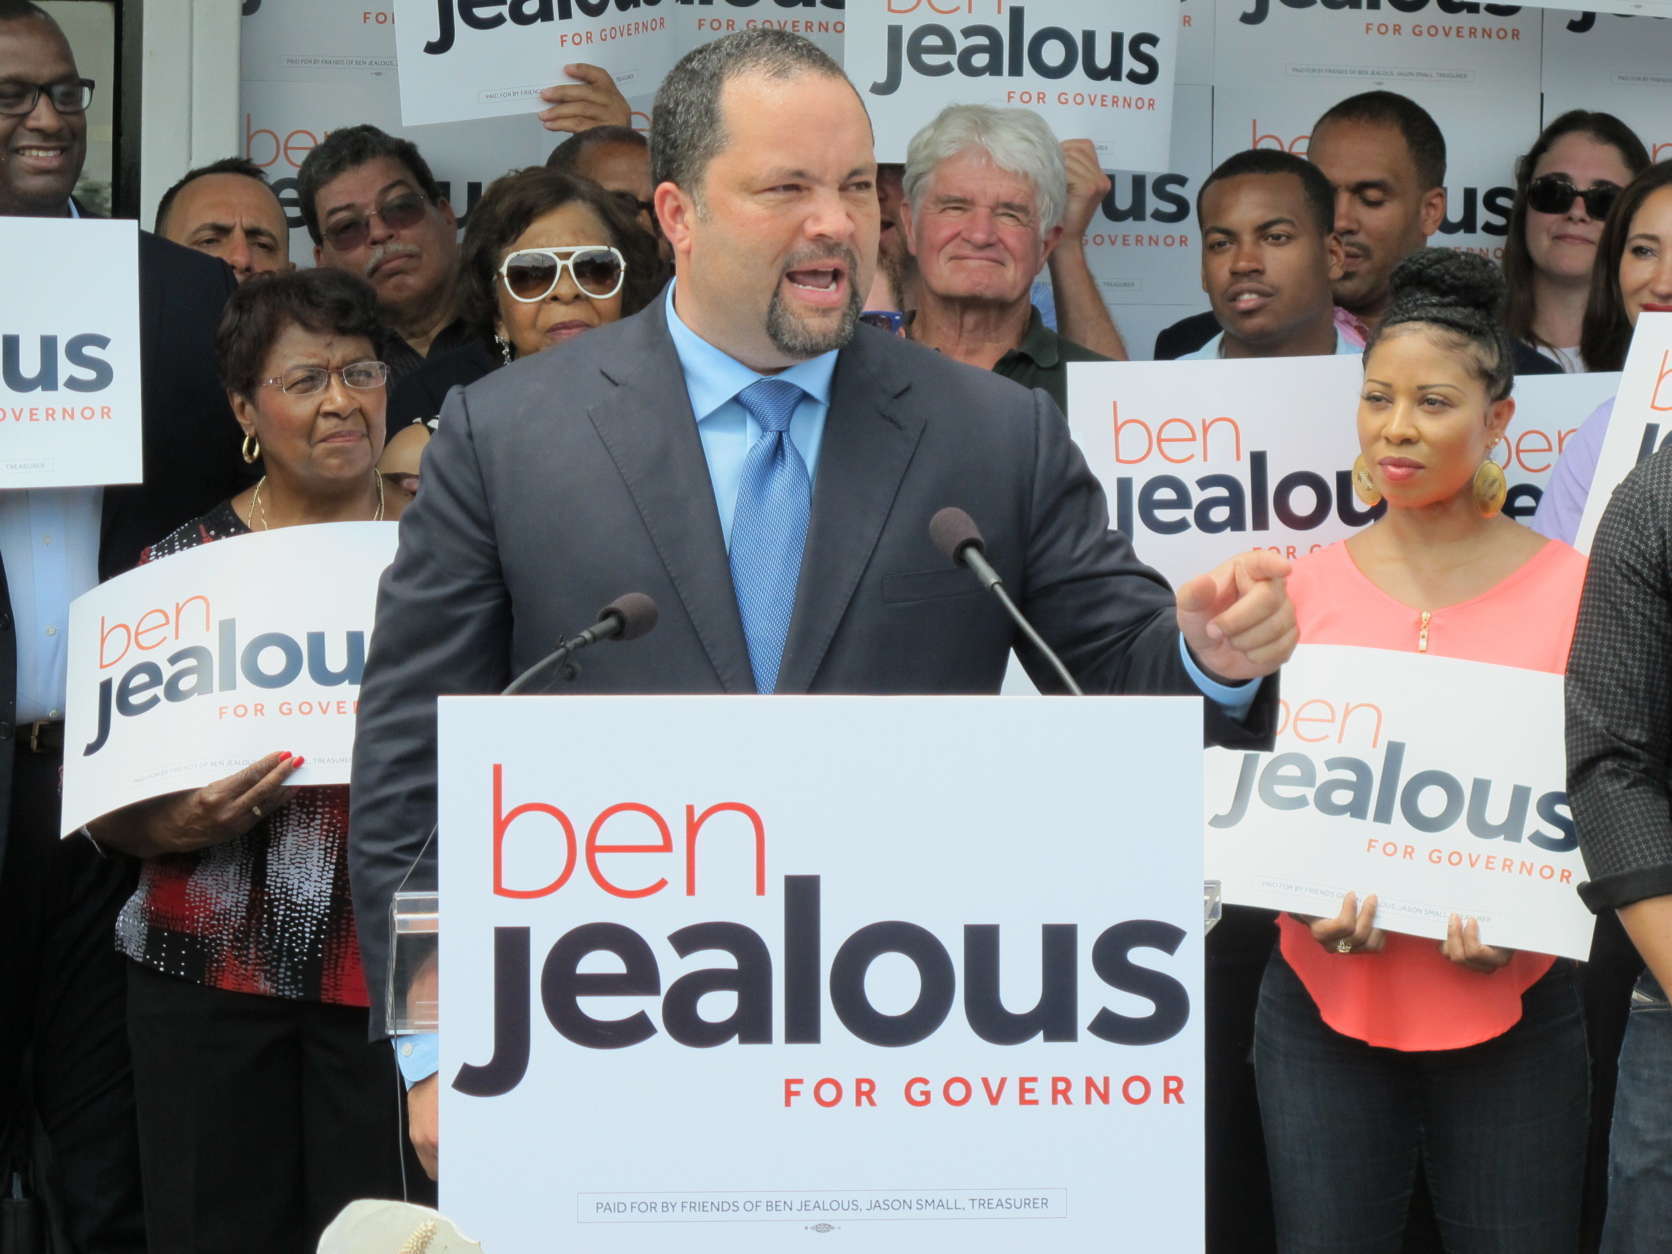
x: 1433, y: 210
x: 676, y: 211
x: 1053, y: 237
x: 1337, y: 256
x: 447, y: 213
x: 904, y: 226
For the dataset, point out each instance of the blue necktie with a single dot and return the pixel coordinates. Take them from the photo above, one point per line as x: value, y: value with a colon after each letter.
x: 769, y: 527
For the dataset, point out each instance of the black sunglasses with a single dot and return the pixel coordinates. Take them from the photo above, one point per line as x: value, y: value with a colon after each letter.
x: 398, y: 214
x: 1554, y: 193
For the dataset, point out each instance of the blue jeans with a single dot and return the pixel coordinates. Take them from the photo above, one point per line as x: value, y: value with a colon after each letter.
x: 1498, y: 1128
x: 1640, y: 1147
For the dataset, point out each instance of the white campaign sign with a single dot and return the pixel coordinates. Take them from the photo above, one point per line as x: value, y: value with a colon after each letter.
x: 698, y: 21
x: 1092, y: 69
x: 1638, y: 425
x: 761, y: 972
x: 1202, y: 460
x: 285, y: 120
x: 69, y: 353
x: 1616, y: 64
x: 464, y: 59
x: 1480, y: 159
x: 189, y: 668
x: 1386, y: 780
x: 1420, y: 49
x: 1548, y: 410
x: 1142, y: 246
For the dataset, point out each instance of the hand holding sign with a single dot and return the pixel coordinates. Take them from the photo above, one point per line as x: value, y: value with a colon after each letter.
x: 1238, y: 619
x: 1462, y: 945
x: 594, y: 100
x: 1353, y: 931
x: 184, y: 822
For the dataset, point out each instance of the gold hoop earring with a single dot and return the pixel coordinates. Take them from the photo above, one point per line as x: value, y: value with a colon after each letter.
x: 1490, y: 487
x: 252, y: 447
x: 1364, y: 487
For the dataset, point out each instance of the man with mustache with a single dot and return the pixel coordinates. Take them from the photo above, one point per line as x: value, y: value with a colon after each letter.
x: 374, y: 209
x: 982, y: 207
x: 1269, y: 255
x: 765, y: 468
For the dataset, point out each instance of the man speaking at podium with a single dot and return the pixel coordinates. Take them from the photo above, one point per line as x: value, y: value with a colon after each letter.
x: 767, y: 473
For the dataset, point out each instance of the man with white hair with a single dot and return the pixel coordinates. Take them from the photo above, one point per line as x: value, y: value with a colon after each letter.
x: 985, y: 191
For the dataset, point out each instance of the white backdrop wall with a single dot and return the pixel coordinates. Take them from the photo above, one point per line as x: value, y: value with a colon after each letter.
x: 1249, y: 72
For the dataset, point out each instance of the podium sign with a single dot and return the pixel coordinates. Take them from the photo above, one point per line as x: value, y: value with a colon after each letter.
x: 740, y: 973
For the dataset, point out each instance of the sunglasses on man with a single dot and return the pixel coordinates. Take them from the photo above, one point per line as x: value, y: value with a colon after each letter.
x: 532, y: 274
x: 398, y: 213
x: 1554, y: 193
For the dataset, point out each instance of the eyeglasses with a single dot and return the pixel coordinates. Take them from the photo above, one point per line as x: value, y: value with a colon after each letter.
x: 397, y: 213
x: 362, y: 376
x: 1554, y: 193
x: 532, y: 274
x: 890, y: 320
x: 68, y: 96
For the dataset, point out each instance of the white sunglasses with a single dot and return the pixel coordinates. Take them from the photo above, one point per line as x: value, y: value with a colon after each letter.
x: 532, y: 274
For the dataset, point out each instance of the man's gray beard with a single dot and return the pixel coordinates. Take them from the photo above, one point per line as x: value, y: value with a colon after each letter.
x: 792, y: 336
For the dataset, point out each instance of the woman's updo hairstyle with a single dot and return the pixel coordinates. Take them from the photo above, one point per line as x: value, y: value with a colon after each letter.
x: 1463, y: 296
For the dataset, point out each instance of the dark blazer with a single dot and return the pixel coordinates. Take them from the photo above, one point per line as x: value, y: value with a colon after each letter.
x: 190, y: 441
x: 563, y: 480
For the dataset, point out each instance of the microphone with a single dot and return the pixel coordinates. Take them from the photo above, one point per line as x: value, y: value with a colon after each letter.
x: 628, y: 617
x: 955, y: 534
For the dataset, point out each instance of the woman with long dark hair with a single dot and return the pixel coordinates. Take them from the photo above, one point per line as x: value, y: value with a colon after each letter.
x: 1633, y: 273
x: 1564, y: 188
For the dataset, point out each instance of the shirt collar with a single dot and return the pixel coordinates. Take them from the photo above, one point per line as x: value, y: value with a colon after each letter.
x: 713, y: 377
x: 1039, y: 343
x: 75, y: 209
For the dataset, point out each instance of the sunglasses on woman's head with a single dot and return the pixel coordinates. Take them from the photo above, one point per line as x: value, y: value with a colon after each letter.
x: 532, y: 274
x: 1554, y: 193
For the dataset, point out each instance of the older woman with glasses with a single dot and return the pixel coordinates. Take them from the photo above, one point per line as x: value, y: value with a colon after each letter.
x: 263, y: 1110
x: 547, y: 256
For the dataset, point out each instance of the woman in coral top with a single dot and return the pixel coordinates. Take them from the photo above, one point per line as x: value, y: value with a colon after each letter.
x: 1380, y: 1055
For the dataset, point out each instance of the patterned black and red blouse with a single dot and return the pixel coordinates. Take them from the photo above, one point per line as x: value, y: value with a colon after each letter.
x: 267, y: 913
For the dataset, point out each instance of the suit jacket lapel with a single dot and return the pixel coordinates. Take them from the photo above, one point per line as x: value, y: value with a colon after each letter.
x: 649, y: 431
x: 864, y: 454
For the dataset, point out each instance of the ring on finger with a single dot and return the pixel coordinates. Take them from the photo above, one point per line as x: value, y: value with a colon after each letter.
x: 1343, y: 946
x: 256, y: 810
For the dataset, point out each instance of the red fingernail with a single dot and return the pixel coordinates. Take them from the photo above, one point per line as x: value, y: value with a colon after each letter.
x: 299, y: 762
x: 284, y: 755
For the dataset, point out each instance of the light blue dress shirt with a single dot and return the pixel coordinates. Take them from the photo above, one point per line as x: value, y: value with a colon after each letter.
x: 49, y: 541
x: 713, y: 379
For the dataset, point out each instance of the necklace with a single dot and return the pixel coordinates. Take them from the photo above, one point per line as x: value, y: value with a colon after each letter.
x: 258, y: 511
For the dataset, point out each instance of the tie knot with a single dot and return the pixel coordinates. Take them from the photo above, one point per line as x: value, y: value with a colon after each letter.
x: 771, y: 402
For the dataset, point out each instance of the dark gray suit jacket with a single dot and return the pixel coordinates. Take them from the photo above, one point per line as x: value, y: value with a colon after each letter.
x: 560, y: 482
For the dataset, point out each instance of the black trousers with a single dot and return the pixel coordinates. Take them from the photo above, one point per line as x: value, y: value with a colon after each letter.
x: 259, y: 1117
x: 63, y: 1039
